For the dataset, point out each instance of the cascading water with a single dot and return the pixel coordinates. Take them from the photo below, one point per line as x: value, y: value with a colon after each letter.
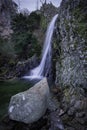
x: 38, y: 72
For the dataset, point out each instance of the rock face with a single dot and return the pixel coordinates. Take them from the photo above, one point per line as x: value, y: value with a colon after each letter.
x: 7, y: 9
x: 25, y: 66
x: 20, y: 69
x: 71, y: 65
x: 49, y: 10
x: 74, y: 104
x: 31, y: 105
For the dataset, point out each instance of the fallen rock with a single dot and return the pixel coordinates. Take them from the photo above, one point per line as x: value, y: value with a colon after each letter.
x: 31, y: 105
x: 74, y: 105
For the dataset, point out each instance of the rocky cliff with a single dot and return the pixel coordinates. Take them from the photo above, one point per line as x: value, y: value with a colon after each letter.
x: 48, y: 10
x: 71, y: 44
x: 71, y: 63
x: 7, y: 10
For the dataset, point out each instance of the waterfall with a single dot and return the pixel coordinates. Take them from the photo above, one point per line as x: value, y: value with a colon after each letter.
x: 42, y: 69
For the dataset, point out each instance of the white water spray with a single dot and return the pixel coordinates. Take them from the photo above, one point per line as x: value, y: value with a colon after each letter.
x: 38, y: 72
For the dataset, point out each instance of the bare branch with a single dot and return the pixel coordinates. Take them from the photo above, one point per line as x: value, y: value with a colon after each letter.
x: 42, y: 2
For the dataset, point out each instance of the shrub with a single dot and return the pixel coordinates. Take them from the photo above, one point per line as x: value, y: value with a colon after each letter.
x: 6, y: 48
x: 25, y: 45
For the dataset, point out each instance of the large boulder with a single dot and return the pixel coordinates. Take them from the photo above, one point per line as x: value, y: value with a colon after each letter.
x: 31, y: 105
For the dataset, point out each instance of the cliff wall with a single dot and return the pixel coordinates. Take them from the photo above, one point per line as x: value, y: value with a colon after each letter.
x: 71, y: 65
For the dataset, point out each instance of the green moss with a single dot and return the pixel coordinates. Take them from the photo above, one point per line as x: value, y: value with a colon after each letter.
x: 43, y: 23
x: 3, y: 71
x: 67, y: 27
x: 75, y: 44
x: 66, y: 22
x: 82, y: 29
x: 11, y: 62
x: 81, y: 20
x: 67, y: 95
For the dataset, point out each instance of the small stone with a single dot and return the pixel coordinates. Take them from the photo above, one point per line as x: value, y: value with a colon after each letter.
x: 80, y: 114
x: 56, y: 123
x: 71, y: 111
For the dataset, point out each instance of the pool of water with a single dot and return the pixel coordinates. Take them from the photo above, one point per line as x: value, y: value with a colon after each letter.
x: 10, y: 88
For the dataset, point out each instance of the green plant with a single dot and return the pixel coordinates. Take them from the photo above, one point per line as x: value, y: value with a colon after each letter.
x: 43, y: 23
x: 6, y: 48
x: 25, y: 45
x: 33, y: 21
x: 81, y: 19
x: 22, y: 23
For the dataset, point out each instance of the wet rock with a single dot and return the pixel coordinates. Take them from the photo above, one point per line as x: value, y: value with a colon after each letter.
x: 41, y: 124
x: 75, y: 113
x: 53, y: 104
x: 23, y: 67
x: 56, y: 123
x: 71, y: 111
x: 31, y: 105
x: 80, y: 114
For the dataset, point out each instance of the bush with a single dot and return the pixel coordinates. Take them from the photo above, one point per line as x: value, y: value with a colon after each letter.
x: 25, y: 45
x: 34, y: 21
x: 6, y: 48
x: 80, y: 14
x: 22, y: 23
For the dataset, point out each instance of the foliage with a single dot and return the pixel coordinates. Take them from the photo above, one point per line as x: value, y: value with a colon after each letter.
x: 6, y: 48
x: 19, y: 23
x: 43, y: 23
x: 34, y: 21
x: 25, y: 43
x: 22, y: 23
x: 80, y: 14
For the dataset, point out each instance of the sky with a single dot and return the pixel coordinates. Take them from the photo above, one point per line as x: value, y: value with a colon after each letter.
x: 31, y: 5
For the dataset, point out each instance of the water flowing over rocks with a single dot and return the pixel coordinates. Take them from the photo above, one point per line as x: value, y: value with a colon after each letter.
x: 23, y: 67
x: 44, y: 68
x: 31, y: 105
x: 20, y: 68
